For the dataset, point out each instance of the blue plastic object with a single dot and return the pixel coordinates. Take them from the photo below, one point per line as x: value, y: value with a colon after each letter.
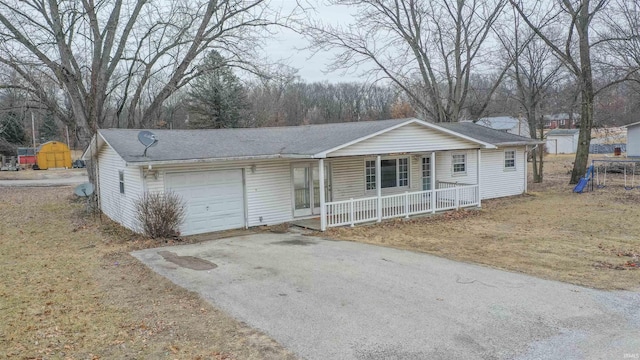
x: 581, y: 185
x: 579, y: 188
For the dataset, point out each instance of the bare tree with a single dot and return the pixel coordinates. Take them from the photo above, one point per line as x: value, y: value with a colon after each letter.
x: 574, y: 48
x: 535, y: 70
x: 129, y: 54
x: 428, y: 48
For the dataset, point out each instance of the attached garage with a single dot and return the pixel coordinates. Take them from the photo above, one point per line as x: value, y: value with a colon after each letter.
x: 240, y: 178
x: 214, y: 199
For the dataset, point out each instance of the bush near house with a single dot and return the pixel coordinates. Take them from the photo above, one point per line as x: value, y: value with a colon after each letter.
x: 160, y: 214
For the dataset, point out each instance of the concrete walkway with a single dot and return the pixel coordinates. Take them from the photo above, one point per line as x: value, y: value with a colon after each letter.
x: 328, y: 299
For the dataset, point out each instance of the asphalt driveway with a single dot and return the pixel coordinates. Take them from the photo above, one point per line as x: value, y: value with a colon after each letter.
x: 326, y: 299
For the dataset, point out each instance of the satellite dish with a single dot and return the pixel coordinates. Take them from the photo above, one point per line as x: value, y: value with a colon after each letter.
x: 84, y: 190
x: 148, y: 139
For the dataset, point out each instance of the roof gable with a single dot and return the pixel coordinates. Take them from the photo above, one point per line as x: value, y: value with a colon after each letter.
x: 409, y: 137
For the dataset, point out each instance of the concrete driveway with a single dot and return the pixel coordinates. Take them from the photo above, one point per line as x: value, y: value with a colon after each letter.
x: 326, y: 299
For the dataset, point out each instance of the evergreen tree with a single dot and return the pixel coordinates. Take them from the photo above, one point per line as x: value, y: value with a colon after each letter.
x: 217, y: 99
x: 48, y: 130
x: 11, y: 128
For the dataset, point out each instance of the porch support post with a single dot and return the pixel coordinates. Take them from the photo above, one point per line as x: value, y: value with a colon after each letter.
x: 323, y: 208
x: 526, y: 169
x: 379, y: 186
x: 478, y: 166
x: 432, y: 165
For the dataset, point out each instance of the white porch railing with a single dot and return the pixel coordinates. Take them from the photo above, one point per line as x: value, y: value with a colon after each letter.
x: 355, y: 211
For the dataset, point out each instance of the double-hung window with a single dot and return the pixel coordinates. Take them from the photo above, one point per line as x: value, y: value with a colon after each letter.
x: 459, y: 163
x: 510, y: 160
x: 393, y: 173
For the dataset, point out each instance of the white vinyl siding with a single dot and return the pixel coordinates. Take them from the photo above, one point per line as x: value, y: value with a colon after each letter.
x: 118, y: 206
x: 348, y: 176
x: 267, y: 187
x: 408, y: 138
x: 495, y: 182
x: 633, y: 140
x: 444, y: 167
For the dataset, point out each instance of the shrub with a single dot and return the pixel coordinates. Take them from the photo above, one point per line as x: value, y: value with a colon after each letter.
x: 160, y: 214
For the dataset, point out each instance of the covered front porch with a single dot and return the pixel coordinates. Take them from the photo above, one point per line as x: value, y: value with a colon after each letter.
x: 362, y: 189
x: 448, y: 196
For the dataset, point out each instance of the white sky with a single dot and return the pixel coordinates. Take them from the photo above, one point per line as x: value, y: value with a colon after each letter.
x: 288, y: 45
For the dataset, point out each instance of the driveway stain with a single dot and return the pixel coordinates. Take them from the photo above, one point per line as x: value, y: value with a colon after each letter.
x: 300, y: 242
x: 189, y: 262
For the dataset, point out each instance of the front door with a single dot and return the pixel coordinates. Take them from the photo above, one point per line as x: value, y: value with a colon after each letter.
x: 306, y: 188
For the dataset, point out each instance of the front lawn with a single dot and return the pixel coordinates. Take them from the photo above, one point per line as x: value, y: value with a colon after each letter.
x: 590, y: 239
x: 69, y: 289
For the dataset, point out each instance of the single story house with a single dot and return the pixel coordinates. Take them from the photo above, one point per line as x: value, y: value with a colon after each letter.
x: 562, y: 141
x: 633, y: 139
x: 341, y: 173
x: 507, y: 124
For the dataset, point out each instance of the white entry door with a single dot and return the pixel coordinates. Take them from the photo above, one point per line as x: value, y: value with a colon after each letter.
x: 214, y: 200
x: 306, y: 188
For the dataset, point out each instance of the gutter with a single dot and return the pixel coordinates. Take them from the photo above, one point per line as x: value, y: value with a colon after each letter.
x: 520, y: 143
x: 211, y: 160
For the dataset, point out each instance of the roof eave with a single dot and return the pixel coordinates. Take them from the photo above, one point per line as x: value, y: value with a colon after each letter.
x: 519, y: 143
x: 212, y: 160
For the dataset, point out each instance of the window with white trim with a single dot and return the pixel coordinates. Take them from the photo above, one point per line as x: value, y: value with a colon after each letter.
x: 426, y: 173
x: 370, y: 174
x: 121, y: 181
x: 393, y: 173
x: 509, y: 159
x: 459, y: 164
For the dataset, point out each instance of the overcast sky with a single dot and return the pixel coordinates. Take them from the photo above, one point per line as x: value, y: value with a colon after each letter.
x: 289, y: 45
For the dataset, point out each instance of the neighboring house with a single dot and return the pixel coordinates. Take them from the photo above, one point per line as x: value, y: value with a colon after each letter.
x: 508, y: 124
x: 562, y: 141
x: 633, y: 139
x: 343, y: 173
x: 561, y: 121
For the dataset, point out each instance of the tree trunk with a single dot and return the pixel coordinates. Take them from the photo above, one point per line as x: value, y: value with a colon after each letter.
x: 587, y: 94
x: 541, y: 153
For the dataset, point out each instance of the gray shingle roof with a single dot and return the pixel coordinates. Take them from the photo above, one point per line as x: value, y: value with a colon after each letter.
x: 304, y: 140
x: 491, y: 136
x: 291, y: 141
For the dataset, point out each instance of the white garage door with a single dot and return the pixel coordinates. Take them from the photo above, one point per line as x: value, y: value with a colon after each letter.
x: 214, y: 200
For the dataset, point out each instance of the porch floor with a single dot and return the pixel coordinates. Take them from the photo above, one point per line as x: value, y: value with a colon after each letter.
x: 311, y: 224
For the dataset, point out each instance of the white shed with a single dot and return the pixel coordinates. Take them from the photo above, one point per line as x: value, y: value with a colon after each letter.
x: 562, y: 141
x: 633, y: 139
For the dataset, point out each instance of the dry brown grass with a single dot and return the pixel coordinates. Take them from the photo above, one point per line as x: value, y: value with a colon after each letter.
x: 587, y: 239
x: 69, y: 289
